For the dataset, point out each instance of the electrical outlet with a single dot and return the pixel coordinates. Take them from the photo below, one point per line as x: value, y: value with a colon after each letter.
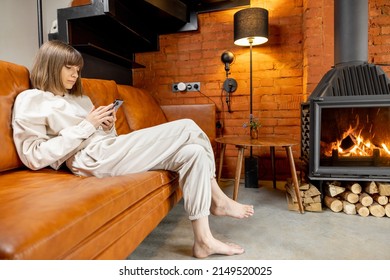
x: 194, y: 86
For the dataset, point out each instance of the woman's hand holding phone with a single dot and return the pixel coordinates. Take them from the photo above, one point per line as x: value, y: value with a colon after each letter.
x: 104, y: 116
x: 109, y: 123
x: 117, y: 103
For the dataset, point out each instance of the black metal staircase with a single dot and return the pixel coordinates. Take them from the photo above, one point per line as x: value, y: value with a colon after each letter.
x: 109, y: 32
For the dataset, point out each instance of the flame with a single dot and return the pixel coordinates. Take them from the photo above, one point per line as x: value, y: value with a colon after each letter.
x: 356, y: 145
x: 385, y: 148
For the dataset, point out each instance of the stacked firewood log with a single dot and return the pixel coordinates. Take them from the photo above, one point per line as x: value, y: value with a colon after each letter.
x: 364, y: 199
x: 311, y: 197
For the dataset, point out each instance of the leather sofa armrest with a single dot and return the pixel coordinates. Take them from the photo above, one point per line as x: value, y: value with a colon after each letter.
x: 202, y: 114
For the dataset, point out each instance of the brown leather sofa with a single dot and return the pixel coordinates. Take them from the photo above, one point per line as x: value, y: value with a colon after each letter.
x: 48, y: 214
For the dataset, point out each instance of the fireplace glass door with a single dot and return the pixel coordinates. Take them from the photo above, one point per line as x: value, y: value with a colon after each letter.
x: 350, y: 137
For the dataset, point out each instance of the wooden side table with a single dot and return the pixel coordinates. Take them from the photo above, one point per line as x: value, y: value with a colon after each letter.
x: 242, y: 142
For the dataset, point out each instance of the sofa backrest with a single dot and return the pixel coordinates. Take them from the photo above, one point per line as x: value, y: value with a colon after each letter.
x: 13, y: 80
x: 104, y: 92
x: 141, y: 109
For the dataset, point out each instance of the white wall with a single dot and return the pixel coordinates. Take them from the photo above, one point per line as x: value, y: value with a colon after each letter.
x: 19, y: 28
x: 50, y: 13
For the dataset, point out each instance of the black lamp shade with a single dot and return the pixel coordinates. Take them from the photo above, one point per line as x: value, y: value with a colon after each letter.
x: 251, y: 27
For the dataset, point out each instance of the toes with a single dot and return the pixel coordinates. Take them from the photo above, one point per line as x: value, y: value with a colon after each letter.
x: 234, y: 245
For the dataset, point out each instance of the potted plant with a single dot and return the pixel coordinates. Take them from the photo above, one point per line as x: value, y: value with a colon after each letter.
x: 254, y: 125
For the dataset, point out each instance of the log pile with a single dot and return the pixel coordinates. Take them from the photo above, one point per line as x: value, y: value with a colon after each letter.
x: 364, y: 199
x: 311, y: 197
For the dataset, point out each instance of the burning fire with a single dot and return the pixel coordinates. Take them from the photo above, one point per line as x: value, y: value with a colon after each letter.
x: 352, y: 143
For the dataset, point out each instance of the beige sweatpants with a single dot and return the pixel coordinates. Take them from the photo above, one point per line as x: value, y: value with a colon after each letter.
x: 179, y: 146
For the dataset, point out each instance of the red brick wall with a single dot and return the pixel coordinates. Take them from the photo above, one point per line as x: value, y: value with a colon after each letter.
x: 379, y: 33
x: 285, y: 70
x: 318, y: 42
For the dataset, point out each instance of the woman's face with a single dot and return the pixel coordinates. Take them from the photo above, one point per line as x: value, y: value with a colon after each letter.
x: 69, y: 75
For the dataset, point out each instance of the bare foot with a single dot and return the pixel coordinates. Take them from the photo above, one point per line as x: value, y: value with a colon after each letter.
x: 214, y: 247
x: 231, y: 208
x: 222, y: 205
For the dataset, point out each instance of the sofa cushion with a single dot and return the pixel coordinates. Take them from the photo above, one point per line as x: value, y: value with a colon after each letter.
x: 141, y: 109
x: 45, y: 214
x: 13, y: 80
x: 102, y: 93
x: 202, y: 114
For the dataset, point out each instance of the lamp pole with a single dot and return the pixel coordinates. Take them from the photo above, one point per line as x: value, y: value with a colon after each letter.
x: 250, y: 76
x: 250, y: 84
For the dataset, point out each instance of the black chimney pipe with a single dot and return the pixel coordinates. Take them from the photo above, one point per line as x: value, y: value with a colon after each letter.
x: 350, y: 31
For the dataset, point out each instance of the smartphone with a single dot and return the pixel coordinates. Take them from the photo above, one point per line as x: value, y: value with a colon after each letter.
x: 117, y: 103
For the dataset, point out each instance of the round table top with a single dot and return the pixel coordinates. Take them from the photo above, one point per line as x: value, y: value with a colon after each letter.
x: 270, y: 141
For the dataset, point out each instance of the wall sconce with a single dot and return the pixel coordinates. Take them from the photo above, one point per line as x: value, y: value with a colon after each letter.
x: 230, y: 84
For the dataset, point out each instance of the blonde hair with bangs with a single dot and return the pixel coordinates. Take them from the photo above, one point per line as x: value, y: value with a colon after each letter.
x: 49, y: 61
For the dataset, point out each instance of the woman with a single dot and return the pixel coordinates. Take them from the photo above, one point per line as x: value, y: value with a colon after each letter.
x: 54, y: 124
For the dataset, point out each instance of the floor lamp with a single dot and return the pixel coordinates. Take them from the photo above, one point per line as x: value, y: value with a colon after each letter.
x: 251, y: 29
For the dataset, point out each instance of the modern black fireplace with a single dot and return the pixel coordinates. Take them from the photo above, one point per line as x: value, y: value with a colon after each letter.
x: 346, y: 122
x: 350, y: 138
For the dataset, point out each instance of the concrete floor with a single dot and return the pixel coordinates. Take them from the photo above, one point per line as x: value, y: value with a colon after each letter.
x: 274, y: 233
